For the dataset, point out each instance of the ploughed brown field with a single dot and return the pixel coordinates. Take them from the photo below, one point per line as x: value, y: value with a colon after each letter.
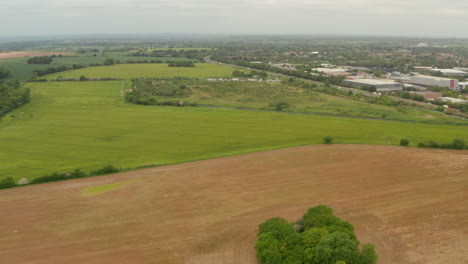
x: 20, y: 54
x: 411, y: 203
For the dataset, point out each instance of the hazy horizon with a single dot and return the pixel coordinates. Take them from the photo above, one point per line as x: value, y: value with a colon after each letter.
x: 398, y: 18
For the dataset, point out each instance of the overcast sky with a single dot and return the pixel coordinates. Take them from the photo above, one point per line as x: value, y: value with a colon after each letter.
x: 418, y: 18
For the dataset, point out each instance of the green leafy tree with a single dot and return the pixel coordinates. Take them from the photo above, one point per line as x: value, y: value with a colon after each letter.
x: 327, y: 140
x: 404, y: 142
x: 109, y: 62
x: 337, y: 247
x: 368, y: 254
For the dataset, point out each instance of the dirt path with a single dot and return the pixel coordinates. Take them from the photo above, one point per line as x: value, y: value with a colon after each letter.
x: 8, y: 55
x: 411, y: 203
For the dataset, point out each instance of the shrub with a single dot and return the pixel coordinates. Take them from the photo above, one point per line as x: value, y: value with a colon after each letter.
x: 105, y: 170
x: 328, y: 140
x: 7, y: 182
x: 458, y: 144
x: 404, y: 142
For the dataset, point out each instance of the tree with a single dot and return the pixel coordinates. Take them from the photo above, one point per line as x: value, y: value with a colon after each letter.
x: 4, y: 73
x: 83, y: 78
x: 327, y: 140
x: 40, y: 60
x: 404, y: 142
x: 325, y: 239
x: 337, y: 247
x: 109, y: 62
x: 368, y: 254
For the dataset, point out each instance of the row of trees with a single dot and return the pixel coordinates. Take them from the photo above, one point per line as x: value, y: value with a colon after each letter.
x: 456, y: 144
x: 238, y: 73
x: 40, y: 60
x: 317, y: 238
x: 12, y: 96
x: 182, y: 64
x: 10, y: 182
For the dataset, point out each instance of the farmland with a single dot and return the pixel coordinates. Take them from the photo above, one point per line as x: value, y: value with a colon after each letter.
x: 129, y: 71
x: 409, y: 202
x: 21, y: 70
x: 70, y: 125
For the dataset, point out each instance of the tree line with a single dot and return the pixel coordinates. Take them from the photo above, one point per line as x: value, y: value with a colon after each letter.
x: 40, y: 60
x: 9, y: 182
x: 182, y: 64
x: 12, y: 96
x: 319, y: 237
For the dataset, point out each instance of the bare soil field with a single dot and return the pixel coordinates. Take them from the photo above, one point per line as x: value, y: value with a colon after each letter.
x: 21, y: 54
x: 411, y: 203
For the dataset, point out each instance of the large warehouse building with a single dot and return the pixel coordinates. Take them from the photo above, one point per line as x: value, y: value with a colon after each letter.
x: 435, y: 81
x: 382, y: 85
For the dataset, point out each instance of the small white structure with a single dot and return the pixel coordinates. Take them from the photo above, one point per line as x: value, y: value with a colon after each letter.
x: 23, y: 181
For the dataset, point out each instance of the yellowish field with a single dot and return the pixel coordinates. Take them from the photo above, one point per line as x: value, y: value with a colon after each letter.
x: 411, y: 203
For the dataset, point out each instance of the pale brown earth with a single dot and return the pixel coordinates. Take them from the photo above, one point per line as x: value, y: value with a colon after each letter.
x: 411, y: 203
x: 8, y: 55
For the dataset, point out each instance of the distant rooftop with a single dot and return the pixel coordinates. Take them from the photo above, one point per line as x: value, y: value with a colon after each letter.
x: 449, y: 71
x: 374, y: 81
x: 433, y: 77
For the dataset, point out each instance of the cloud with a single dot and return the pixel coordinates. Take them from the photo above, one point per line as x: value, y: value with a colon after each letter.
x: 237, y: 16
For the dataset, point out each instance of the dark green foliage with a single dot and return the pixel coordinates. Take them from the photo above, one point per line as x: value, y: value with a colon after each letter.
x: 280, y: 106
x: 181, y: 64
x: 4, y: 73
x: 324, y: 239
x: 327, y: 140
x: 7, y: 182
x: 109, y: 62
x: 456, y: 144
x: 157, y: 91
x: 12, y: 96
x: 368, y: 255
x: 335, y: 247
x: 83, y: 78
x: 411, y: 96
x: 40, y: 60
x: 404, y: 142
x: 278, y: 227
x: 74, y: 175
x: 105, y: 170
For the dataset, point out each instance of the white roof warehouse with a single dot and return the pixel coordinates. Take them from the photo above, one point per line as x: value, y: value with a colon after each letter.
x: 382, y: 85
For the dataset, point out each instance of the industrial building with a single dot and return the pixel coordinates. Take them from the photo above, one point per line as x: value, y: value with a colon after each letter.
x: 382, y: 85
x: 435, y: 81
x: 451, y: 72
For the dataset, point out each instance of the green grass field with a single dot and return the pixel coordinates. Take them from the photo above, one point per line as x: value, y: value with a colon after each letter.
x: 21, y: 70
x: 87, y: 125
x: 129, y: 71
x: 259, y: 95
